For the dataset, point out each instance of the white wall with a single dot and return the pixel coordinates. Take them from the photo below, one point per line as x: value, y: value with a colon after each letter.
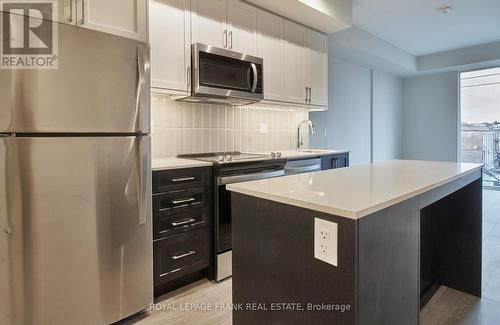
x: 430, y: 117
x: 347, y: 121
x: 387, y: 116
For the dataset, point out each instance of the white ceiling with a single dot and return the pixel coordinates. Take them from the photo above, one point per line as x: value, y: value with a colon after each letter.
x: 417, y: 27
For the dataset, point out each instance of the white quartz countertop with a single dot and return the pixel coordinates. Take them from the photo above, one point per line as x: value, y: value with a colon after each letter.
x: 175, y: 163
x: 357, y: 191
x: 305, y: 153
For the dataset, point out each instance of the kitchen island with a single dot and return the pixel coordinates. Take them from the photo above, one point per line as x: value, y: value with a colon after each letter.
x: 395, y: 231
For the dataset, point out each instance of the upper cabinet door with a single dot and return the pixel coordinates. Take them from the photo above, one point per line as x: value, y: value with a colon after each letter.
x: 208, y: 22
x: 295, y: 56
x: 242, y: 27
x: 170, y: 36
x: 126, y: 18
x: 66, y: 12
x: 270, y: 48
x: 317, y: 68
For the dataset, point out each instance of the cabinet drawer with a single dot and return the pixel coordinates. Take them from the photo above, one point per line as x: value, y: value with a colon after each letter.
x: 171, y: 180
x: 178, y: 201
x: 168, y: 224
x: 180, y: 255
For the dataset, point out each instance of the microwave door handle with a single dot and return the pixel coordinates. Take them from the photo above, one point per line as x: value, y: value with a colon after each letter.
x: 255, y: 77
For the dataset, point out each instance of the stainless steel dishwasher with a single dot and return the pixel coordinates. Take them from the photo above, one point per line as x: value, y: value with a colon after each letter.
x: 302, y: 166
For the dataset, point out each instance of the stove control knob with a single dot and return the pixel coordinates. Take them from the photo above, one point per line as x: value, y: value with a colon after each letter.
x: 228, y: 158
x: 278, y: 155
x: 220, y: 158
x: 273, y: 155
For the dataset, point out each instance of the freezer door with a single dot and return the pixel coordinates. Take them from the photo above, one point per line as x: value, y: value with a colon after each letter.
x: 75, y: 230
x: 101, y: 86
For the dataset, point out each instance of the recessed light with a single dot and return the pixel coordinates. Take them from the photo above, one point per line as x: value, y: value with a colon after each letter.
x: 445, y: 10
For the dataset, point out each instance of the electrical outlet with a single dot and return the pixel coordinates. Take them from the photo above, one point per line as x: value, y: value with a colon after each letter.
x: 325, y: 241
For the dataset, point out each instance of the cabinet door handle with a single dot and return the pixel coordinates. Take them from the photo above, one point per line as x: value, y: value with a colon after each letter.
x: 231, y: 39
x: 182, y: 222
x: 182, y: 179
x: 176, y: 257
x: 70, y: 19
x: 83, y: 12
x: 189, y: 85
x: 190, y: 199
x: 310, y: 95
x: 173, y: 271
x: 224, y: 38
x: 307, y: 97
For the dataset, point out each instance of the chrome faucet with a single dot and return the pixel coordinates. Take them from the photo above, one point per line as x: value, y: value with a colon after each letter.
x: 299, y: 139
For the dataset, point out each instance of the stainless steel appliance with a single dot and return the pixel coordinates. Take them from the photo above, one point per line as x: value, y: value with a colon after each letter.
x: 233, y: 167
x: 225, y: 77
x: 302, y: 166
x: 75, y: 184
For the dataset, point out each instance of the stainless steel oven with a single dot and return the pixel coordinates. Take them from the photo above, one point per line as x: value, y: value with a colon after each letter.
x: 228, y: 168
x: 225, y: 77
x: 230, y: 174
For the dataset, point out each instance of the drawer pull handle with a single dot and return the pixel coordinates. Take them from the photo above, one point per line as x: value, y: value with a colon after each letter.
x: 191, y: 199
x: 170, y: 272
x: 182, y: 179
x: 182, y: 222
x: 176, y: 257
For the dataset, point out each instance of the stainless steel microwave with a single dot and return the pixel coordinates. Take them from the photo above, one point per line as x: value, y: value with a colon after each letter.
x: 225, y: 77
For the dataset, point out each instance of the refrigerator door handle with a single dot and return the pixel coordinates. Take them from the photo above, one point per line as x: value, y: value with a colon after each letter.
x: 4, y: 217
x: 142, y: 87
x: 145, y: 179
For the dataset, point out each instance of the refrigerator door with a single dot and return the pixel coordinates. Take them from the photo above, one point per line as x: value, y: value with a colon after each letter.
x: 75, y: 230
x: 101, y: 86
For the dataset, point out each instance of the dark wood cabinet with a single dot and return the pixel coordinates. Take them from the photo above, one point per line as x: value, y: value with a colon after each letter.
x: 335, y: 161
x: 180, y: 255
x: 182, y: 223
x: 168, y: 224
x: 175, y: 179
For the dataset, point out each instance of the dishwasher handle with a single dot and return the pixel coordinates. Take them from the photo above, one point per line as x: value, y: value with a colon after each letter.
x: 303, y: 169
x: 223, y: 180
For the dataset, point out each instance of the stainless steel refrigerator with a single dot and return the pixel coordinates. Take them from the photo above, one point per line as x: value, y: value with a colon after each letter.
x: 75, y: 184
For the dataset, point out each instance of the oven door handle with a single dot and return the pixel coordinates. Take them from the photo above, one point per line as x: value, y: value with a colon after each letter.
x: 255, y: 77
x: 249, y: 177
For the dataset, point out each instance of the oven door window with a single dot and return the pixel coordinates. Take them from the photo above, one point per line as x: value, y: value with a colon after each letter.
x: 224, y: 238
x: 218, y: 71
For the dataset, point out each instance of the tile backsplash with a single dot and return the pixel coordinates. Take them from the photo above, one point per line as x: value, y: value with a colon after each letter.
x: 181, y: 127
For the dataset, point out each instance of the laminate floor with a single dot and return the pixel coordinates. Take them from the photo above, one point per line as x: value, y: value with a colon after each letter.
x: 200, y: 303
x: 447, y: 307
